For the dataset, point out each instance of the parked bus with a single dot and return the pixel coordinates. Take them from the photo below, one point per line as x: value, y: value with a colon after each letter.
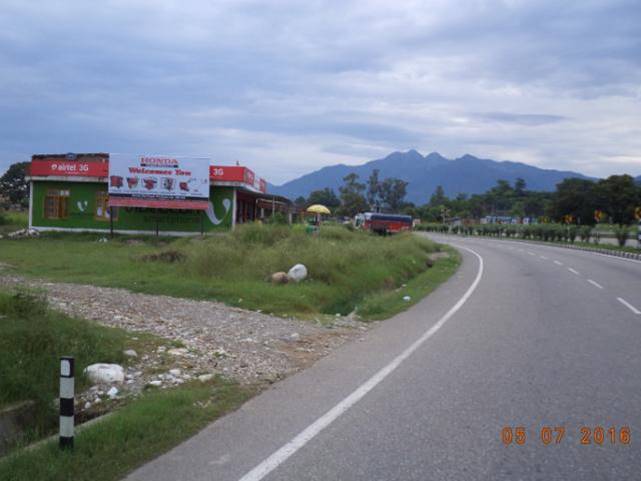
x: 383, y: 223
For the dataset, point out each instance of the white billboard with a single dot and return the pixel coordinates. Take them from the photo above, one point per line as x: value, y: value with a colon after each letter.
x: 158, y: 181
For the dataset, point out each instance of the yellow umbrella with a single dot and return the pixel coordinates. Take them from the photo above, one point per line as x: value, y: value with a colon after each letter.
x: 318, y: 209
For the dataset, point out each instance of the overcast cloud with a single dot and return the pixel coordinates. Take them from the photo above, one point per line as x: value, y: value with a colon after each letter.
x: 288, y: 86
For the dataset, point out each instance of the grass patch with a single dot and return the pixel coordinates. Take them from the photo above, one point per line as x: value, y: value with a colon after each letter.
x: 32, y: 339
x: 345, y: 267
x: 384, y: 305
x: 13, y: 220
x: 146, y: 428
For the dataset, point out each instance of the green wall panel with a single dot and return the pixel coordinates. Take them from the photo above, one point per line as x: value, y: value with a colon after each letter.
x: 82, y: 211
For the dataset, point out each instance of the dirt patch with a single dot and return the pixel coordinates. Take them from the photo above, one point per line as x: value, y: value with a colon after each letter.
x: 202, y: 337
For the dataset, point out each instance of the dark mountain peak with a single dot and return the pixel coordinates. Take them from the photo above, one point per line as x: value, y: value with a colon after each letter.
x: 411, y: 154
x: 467, y: 174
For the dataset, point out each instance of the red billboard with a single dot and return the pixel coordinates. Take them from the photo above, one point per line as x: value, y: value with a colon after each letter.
x: 68, y: 168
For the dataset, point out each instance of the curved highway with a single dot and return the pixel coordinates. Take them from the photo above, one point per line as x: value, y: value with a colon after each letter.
x: 525, y: 365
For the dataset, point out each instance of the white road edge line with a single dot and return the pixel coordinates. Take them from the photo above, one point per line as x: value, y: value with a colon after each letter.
x: 573, y: 271
x: 544, y: 258
x: 629, y: 306
x: 595, y: 283
x: 558, y: 263
x: 280, y: 456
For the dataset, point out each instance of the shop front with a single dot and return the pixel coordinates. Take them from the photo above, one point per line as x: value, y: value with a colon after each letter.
x: 79, y: 192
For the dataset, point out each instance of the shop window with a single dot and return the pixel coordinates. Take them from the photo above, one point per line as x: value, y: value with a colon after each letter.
x: 57, y: 204
x: 102, y: 207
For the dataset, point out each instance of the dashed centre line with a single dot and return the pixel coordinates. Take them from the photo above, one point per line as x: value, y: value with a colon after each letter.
x: 544, y: 258
x: 595, y: 283
x: 531, y: 253
x: 573, y: 271
x: 558, y: 263
x: 629, y: 306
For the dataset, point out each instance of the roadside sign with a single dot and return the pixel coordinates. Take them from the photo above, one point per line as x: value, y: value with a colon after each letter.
x: 158, y: 181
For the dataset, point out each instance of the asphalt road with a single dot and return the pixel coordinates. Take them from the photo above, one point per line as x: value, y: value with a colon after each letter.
x: 523, y: 336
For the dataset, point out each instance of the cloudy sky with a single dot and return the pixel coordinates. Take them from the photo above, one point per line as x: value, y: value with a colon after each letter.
x: 286, y: 87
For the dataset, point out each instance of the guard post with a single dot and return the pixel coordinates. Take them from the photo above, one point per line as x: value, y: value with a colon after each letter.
x: 66, y: 402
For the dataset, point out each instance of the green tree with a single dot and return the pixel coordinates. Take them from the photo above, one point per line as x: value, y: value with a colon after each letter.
x: 326, y: 197
x: 392, y: 193
x: 438, y: 197
x: 351, y: 196
x: 374, y: 190
x: 300, y: 201
x: 618, y: 195
x: 575, y: 197
x: 13, y: 185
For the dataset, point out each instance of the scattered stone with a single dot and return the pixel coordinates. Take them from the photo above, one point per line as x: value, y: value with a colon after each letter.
x: 130, y: 353
x: 294, y: 336
x: 105, y: 373
x: 23, y: 233
x: 178, y: 351
x: 297, y: 273
x: 175, y: 372
x: 113, y: 392
x: 220, y: 353
x: 205, y: 377
x: 279, y: 278
x: 407, y: 298
x: 87, y: 405
x: 155, y: 383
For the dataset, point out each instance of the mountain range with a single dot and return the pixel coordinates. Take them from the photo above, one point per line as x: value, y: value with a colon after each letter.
x: 467, y: 174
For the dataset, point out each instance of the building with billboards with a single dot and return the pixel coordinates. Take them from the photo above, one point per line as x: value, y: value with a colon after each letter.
x: 141, y: 194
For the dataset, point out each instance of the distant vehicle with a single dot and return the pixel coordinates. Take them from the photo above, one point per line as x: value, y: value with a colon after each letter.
x: 383, y: 223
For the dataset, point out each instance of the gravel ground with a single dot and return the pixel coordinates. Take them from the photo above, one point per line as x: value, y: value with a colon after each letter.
x: 247, y: 346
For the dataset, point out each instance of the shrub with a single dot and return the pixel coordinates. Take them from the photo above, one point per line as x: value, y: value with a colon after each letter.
x: 622, y: 233
x: 585, y: 233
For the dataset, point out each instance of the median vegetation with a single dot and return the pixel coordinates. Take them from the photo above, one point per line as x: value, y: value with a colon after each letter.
x: 586, y: 236
x: 347, y: 269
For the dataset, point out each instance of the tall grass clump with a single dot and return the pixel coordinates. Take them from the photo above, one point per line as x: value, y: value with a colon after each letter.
x: 343, y: 265
x: 32, y: 339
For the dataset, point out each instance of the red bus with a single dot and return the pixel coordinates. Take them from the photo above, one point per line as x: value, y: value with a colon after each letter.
x: 383, y: 223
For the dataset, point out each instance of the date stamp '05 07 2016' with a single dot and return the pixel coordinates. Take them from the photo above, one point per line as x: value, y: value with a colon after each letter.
x: 547, y: 435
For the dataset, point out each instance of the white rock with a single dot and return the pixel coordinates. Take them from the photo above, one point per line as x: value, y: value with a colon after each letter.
x: 130, y: 353
x: 178, y: 351
x: 205, y: 377
x: 175, y: 372
x: 294, y: 336
x: 112, y: 393
x: 105, y: 373
x: 406, y: 298
x: 87, y: 405
x: 297, y: 273
x: 155, y: 383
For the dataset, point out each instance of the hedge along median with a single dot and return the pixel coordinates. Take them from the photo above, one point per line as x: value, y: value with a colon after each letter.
x: 346, y: 268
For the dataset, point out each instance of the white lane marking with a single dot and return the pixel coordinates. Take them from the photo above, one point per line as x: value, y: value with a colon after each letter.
x: 629, y: 306
x: 573, y: 271
x: 595, y: 283
x: 558, y: 263
x: 280, y: 456
x: 531, y: 253
x: 544, y: 258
